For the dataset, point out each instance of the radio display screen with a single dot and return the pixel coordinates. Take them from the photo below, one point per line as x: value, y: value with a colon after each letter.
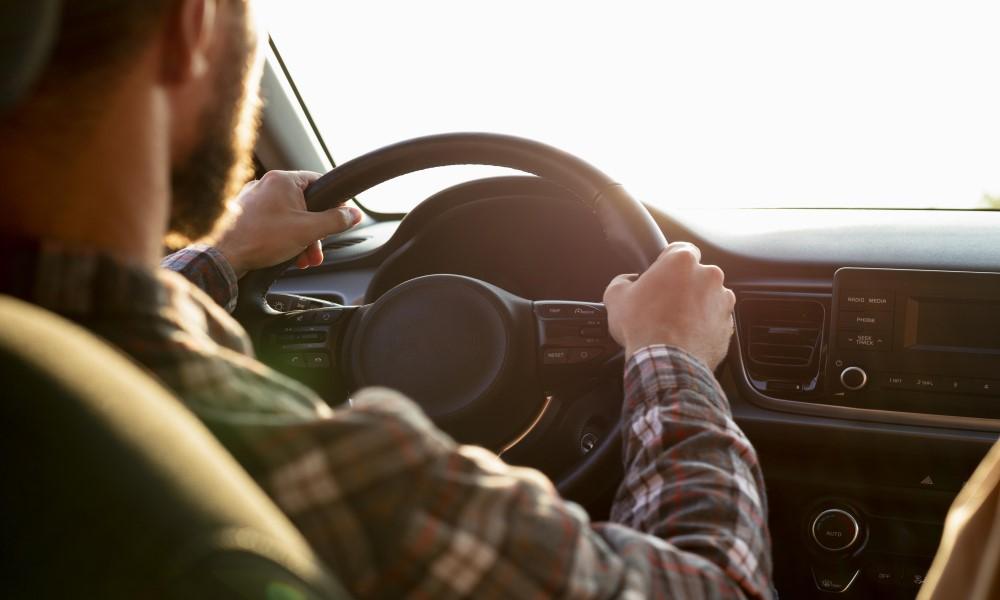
x: 952, y: 326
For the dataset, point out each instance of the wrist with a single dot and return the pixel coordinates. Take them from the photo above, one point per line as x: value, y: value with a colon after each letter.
x: 231, y: 258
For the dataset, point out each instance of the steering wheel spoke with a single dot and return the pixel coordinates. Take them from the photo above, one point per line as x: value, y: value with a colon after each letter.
x: 305, y: 344
x: 573, y: 341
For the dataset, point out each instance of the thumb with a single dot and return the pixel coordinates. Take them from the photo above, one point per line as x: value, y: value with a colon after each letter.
x: 334, y: 220
x: 617, y: 286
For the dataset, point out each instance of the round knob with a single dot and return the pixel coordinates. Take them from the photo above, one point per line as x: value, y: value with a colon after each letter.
x: 835, y: 530
x: 854, y: 378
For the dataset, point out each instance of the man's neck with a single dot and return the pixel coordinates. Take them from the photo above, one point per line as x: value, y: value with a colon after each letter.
x: 104, y: 186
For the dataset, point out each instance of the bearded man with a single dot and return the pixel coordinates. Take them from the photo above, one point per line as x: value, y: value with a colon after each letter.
x: 140, y: 128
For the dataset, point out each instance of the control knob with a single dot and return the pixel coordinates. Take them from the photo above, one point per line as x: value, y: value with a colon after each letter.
x: 835, y: 530
x: 853, y: 378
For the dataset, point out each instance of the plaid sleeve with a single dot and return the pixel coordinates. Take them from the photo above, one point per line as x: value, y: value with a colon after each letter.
x: 209, y: 270
x: 398, y: 510
x: 692, y: 476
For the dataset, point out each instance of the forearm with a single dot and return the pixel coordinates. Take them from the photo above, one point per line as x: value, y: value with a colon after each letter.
x: 692, y: 478
x: 399, y: 510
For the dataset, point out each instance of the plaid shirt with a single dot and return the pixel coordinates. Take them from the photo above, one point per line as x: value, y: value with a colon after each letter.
x: 394, y: 506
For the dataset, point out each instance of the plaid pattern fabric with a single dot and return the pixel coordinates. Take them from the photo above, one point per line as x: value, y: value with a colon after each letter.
x: 208, y: 270
x: 394, y: 506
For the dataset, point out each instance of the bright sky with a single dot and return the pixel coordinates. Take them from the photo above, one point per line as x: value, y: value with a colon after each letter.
x: 694, y: 103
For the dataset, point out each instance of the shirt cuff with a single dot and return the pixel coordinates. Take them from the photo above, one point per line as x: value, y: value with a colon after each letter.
x: 208, y: 269
x: 652, y: 372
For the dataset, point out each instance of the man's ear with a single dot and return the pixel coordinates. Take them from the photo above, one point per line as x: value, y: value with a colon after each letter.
x: 188, y: 39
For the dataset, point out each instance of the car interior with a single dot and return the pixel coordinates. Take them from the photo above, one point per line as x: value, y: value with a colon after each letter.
x: 864, y: 369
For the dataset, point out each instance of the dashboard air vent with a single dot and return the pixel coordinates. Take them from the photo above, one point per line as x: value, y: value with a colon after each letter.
x: 341, y: 243
x: 781, y: 339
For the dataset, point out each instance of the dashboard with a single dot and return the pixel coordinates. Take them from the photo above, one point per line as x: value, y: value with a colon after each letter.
x: 865, y: 368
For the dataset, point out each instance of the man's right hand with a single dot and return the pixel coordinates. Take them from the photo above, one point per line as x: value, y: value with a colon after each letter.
x: 678, y: 301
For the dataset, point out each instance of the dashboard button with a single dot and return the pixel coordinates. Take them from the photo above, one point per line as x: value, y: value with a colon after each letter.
x: 835, y: 579
x: 989, y: 387
x: 853, y: 378
x: 864, y: 320
x: 922, y: 383
x: 852, y: 340
x: 955, y: 385
x: 835, y: 530
x: 892, y: 381
x: 885, y: 573
x: 853, y: 299
x: 880, y: 300
x: 914, y: 575
x: 869, y: 300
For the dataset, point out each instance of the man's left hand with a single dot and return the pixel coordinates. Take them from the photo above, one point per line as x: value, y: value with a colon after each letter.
x: 268, y: 223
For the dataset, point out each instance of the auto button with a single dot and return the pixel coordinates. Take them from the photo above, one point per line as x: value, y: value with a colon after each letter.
x: 835, y: 530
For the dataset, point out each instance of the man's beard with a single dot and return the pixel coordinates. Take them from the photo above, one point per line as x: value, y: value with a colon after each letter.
x: 222, y: 161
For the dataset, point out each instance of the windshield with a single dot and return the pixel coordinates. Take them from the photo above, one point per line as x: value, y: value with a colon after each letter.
x: 689, y: 104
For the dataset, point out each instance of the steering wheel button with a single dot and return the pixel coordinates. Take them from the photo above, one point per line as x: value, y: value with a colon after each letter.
x: 317, y: 360
x: 567, y: 310
x: 551, y: 310
x: 555, y: 356
x: 581, y: 355
x: 557, y: 329
x: 591, y: 332
x: 328, y: 316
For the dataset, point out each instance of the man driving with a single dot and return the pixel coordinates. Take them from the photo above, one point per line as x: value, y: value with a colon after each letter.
x: 141, y: 127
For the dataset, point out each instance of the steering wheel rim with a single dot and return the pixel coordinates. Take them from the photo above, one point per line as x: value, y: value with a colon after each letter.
x: 627, y: 225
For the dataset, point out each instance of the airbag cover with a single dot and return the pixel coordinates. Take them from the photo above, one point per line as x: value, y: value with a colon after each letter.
x: 443, y: 340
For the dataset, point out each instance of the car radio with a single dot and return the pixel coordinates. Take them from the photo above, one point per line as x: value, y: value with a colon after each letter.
x: 916, y: 341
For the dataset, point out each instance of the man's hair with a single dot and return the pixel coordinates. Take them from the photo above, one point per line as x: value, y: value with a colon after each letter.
x: 96, y: 37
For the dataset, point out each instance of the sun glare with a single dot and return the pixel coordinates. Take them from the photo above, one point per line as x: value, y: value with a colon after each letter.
x: 715, y: 103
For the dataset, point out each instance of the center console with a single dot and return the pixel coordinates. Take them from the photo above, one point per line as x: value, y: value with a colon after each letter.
x: 900, y: 369
x: 916, y: 341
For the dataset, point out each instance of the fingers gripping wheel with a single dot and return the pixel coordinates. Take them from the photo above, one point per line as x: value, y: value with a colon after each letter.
x: 476, y: 410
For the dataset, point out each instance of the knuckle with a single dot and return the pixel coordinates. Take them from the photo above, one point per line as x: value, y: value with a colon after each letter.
x: 715, y: 274
x: 271, y: 176
x: 683, y: 260
x: 730, y: 297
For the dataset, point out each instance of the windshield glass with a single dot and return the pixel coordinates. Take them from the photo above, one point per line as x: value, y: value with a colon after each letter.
x: 689, y: 104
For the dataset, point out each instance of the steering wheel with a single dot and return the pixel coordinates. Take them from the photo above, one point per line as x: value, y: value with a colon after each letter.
x: 489, y: 367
